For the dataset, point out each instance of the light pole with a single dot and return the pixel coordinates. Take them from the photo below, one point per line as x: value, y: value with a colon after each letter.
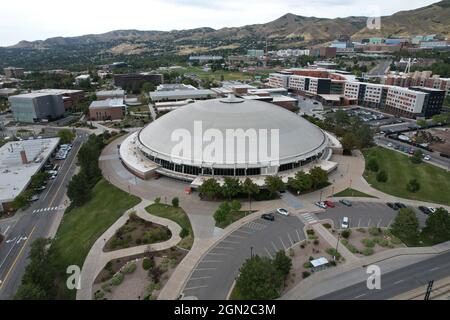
x: 321, y: 192
x: 337, y: 246
x: 251, y: 252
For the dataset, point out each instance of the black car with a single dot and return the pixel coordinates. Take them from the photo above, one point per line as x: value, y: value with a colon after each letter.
x: 425, y: 210
x: 400, y: 205
x: 393, y: 206
x: 268, y: 216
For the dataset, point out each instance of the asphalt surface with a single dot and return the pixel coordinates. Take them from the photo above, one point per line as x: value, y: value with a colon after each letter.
x: 365, y: 214
x: 380, y: 69
x: 436, y: 159
x: 398, y: 281
x: 213, y: 277
x: 33, y: 223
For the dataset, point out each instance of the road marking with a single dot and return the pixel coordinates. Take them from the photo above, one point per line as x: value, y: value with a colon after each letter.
x: 368, y: 225
x: 227, y: 241
x: 359, y: 222
x: 399, y: 281
x: 17, y: 257
x: 274, y: 247
x: 211, y: 261
x: 6, y: 231
x: 361, y: 295
x: 199, y: 278
x: 247, y: 232
x: 216, y: 254
x: 435, y: 268
x: 224, y: 248
x: 292, y: 242
x: 204, y: 269
x: 390, y: 222
x: 235, y: 236
x: 298, y: 235
x: 378, y: 224
x: 267, y: 251
x: 193, y: 288
x: 282, y: 243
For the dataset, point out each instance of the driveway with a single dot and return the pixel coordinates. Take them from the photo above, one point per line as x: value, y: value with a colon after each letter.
x: 214, y: 275
x: 365, y: 214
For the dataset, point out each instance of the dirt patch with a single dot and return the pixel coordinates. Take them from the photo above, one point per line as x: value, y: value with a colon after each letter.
x: 443, y: 147
x: 116, y: 282
x: 302, y: 253
x: 135, y: 232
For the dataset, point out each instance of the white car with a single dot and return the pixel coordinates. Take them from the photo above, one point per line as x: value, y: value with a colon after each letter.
x: 432, y: 210
x: 427, y: 158
x: 283, y: 212
x: 345, y: 223
x: 390, y: 145
x: 321, y: 205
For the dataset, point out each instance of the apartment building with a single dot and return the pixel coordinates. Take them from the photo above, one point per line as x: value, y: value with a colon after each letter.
x: 418, y: 79
x: 279, y: 80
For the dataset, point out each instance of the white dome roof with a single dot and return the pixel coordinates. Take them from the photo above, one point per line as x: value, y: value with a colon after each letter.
x: 298, y: 138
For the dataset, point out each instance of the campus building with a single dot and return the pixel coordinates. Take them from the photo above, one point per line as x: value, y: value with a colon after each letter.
x: 37, y: 107
x: 109, y: 109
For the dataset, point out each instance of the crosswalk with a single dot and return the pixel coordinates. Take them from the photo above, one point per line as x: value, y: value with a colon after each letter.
x: 309, y: 217
x: 49, y: 209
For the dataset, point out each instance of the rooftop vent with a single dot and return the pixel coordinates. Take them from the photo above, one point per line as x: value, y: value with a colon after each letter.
x: 231, y: 99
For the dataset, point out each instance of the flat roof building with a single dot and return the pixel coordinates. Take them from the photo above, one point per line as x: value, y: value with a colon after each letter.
x: 12, y: 72
x: 109, y: 109
x: 37, y: 107
x: 110, y: 94
x: 19, y: 161
x: 176, y: 95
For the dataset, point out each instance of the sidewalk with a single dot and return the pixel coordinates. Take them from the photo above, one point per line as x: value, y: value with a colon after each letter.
x: 97, y: 258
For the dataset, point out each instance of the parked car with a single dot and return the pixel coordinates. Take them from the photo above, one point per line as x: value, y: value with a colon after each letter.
x: 321, y: 204
x: 393, y: 206
x: 268, y: 216
x: 34, y: 198
x: 400, y: 205
x: 427, y: 158
x: 432, y: 210
x: 330, y: 204
x: 390, y: 145
x: 283, y: 212
x: 346, y: 202
x: 345, y: 223
x: 424, y: 210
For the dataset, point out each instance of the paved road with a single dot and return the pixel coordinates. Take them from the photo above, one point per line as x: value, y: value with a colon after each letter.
x: 380, y: 69
x: 365, y: 214
x: 398, y: 281
x: 213, y: 277
x: 33, y: 223
x: 436, y: 159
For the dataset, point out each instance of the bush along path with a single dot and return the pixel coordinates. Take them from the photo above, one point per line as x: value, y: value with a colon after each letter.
x: 97, y: 258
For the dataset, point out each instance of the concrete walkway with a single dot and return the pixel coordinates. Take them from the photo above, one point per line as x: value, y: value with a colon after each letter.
x: 97, y: 259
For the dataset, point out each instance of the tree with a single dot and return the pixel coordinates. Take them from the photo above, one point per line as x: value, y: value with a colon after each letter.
x: 274, y: 184
x: 417, y: 157
x: 406, y: 226
x: 222, y: 212
x: 38, y: 279
x: 422, y: 123
x: 382, y: 176
x: 364, y: 135
x: 66, y: 136
x: 319, y: 177
x: 437, y: 227
x: 372, y: 165
x: 341, y: 118
x: 250, y: 188
x: 210, y: 188
x: 19, y: 202
x: 77, y: 191
x: 349, y: 142
x: 175, y: 202
x: 235, y: 205
x: 259, y: 279
x: 283, y: 263
x: 301, y: 182
x: 413, y: 185
x: 231, y: 187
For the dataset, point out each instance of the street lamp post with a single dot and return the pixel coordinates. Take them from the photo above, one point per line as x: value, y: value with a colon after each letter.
x: 337, y: 246
x: 251, y: 252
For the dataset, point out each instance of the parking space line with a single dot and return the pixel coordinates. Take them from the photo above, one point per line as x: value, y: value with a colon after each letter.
x: 378, y: 224
x: 235, y: 236
x: 216, y: 254
x: 193, y: 288
x: 223, y: 248
x: 199, y: 278
x: 282, y: 243
x: 247, y: 232
x: 211, y: 261
x: 204, y: 269
x: 267, y: 251
x: 298, y: 235
x: 368, y: 225
x: 274, y: 247
x: 227, y: 241
x: 359, y: 222
x: 292, y: 243
x: 390, y: 222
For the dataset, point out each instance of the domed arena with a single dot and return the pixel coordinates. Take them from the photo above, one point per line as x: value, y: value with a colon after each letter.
x: 226, y: 137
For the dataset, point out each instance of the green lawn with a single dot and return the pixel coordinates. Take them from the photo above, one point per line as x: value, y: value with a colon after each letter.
x: 233, y: 216
x: 82, y: 226
x: 177, y: 215
x: 434, y: 181
x: 349, y: 192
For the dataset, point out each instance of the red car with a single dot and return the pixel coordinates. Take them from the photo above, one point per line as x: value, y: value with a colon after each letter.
x: 330, y: 204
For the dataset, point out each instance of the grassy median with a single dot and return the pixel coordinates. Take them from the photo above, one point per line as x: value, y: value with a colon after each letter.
x: 434, y: 181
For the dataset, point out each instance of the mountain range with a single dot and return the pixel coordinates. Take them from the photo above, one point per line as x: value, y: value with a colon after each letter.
x: 290, y: 30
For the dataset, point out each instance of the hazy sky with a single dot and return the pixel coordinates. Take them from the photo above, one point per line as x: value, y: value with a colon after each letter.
x: 42, y: 19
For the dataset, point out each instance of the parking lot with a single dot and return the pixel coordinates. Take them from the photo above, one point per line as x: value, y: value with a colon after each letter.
x: 214, y: 275
x: 365, y: 214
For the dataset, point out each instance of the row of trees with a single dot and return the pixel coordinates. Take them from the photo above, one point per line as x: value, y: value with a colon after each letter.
x: 437, y: 227
x: 80, y: 187
x: 261, y: 278
x: 316, y: 179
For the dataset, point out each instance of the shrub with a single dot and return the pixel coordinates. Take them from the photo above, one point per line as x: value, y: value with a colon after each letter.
x: 361, y: 230
x: 106, y: 287
x: 334, y: 253
x: 381, y: 242
x: 382, y: 176
x: 372, y: 165
x: 236, y: 205
x: 302, y: 246
x: 307, y: 265
x: 117, y: 279
x: 346, y: 233
x: 175, y: 202
x: 413, y: 186
x: 99, y: 295
x: 367, y: 251
x: 374, y: 231
x: 147, y: 263
x: 316, y: 242
x: 368, y: 243
x: 158, y: 200
x: 305, y: 274
x: 332, y: 263
x: 310, y: 232
x: 129, y: 268
x: 184, y: 233
x: 327, y: 225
